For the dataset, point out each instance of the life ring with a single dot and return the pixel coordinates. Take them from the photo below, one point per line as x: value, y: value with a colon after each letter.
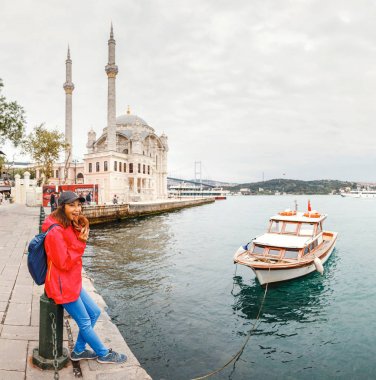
x: 287, y: 213
x: 312, y: 214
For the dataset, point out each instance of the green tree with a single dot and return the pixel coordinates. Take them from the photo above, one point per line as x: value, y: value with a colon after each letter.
x: 44, y: 147
x: 12, y: 120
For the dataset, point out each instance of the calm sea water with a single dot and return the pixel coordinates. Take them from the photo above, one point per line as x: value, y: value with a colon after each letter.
x: 184, y: 308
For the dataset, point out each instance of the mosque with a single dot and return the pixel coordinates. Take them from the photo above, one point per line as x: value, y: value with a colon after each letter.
x: 128, y: 159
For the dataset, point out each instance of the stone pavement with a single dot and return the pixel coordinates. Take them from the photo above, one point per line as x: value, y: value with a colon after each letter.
x: 19, y: 310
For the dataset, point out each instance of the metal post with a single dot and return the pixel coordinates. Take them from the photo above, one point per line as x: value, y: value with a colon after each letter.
x: 42, y: 215
x: 43, y: 356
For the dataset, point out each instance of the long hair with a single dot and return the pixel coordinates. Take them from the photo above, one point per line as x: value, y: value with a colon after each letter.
x: 59, y: 216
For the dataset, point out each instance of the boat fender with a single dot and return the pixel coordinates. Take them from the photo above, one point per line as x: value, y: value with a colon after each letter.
x: 318, y: 265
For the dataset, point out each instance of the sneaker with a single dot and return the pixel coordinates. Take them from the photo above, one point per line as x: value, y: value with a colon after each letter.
x: 112, y: 357
x: 87, y: 354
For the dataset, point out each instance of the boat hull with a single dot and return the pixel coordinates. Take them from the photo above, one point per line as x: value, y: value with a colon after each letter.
x: 265, y: 276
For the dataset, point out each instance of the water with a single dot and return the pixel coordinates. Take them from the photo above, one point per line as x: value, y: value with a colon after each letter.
x: 184, y: 308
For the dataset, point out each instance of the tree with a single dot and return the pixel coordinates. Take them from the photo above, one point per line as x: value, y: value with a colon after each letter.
x: 44, y: 147
x: 12, y: 121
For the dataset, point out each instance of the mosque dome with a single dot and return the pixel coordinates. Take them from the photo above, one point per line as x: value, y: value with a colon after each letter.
x: 131, y: 120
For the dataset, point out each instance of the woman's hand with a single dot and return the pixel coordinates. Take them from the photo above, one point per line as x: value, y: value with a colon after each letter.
x: 84, y: 234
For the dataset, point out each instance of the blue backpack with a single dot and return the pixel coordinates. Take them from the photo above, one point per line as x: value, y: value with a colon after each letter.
x: 37, y: 258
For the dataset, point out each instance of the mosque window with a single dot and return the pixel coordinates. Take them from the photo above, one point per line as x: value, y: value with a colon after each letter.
x: 105, y: 167
x: 90, y: 167
x: 119, y: 166
x: 115, y: 166
x: 125, y: 167
x: 148, y: 169
x: 97, y: 167
x: 139, y: 168
x: 143, y: 169
x: 130, y: 168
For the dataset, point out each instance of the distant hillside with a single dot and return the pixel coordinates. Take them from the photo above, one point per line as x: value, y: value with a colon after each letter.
x: 291, y: 186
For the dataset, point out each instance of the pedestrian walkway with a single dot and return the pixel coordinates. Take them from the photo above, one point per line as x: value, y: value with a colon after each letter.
x: 19, y: 310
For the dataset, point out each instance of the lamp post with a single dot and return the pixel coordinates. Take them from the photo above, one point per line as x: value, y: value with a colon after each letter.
x: 13, y: 166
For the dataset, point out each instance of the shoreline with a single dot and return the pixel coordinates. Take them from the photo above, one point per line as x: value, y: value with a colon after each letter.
x: 111, y: 213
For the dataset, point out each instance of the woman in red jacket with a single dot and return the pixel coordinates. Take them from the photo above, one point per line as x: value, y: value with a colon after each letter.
x: 65, y: 245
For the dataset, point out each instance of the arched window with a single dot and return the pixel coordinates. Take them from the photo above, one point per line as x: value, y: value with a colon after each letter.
x: 97, y: 166
x: 143, y: 169
x: 130, y: 168
x: 125, y: 167
x: 80, y: 176
x: 105, y: 167
x: 115, y: 166
x: 139, y: 168
x: 119, y: 166
x: 90, y: 167
x: 148, y: 169
x: 125, y: 151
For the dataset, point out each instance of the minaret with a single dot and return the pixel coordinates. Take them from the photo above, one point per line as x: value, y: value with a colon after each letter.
x: 68, y: 88
x: 111, y: 70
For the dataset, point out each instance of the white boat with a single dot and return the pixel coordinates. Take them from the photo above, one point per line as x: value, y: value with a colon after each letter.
x: 294, y: 245
x: 359, y: 194
x: 185, y: 191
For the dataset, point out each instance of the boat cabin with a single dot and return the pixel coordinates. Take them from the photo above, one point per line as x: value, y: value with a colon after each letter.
x: 290, y: 236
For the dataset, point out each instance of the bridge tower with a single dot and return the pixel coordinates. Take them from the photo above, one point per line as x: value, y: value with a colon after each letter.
x: 198, y: 172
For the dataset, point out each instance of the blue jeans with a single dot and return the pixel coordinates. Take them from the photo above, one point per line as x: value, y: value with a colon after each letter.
x: 86, y: 312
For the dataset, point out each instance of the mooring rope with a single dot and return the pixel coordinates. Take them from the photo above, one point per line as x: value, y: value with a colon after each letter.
x: 249, y: 334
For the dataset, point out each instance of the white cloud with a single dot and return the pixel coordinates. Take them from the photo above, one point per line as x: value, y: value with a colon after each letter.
x: 245, y: 87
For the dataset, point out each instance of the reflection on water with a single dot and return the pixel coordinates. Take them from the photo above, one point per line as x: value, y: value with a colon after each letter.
x: 302, y: 300
x: 136, y: 249
x: 170, y: 286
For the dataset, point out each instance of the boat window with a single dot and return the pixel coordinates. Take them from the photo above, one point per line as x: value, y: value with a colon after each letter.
x: 313, y: 245
x: 307, y: 229
x: 258, y: 250
x: 306, y: 250
x: 291, y: 254
x: 274, y: 252
x: 290, y: 228
x: 276, y: 226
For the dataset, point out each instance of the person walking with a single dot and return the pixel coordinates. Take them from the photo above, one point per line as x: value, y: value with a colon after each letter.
x: 88, y: 197
x: 53, y: 202
x: 65, y: 245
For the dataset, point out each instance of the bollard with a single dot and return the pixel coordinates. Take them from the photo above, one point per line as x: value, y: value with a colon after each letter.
x: 43, y: 356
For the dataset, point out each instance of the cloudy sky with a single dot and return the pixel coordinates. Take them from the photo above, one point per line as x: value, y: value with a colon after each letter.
x: 284, y: 88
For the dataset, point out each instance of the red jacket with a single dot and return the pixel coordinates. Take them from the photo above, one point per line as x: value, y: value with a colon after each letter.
x: 64, y: 262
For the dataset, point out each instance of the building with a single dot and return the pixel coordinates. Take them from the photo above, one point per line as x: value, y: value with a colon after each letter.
x: 128, y: 159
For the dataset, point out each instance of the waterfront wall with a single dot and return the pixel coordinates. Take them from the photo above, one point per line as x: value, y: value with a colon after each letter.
x: 110, y: 213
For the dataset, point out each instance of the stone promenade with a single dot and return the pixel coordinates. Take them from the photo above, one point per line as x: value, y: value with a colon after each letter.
x: 19, y: 310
